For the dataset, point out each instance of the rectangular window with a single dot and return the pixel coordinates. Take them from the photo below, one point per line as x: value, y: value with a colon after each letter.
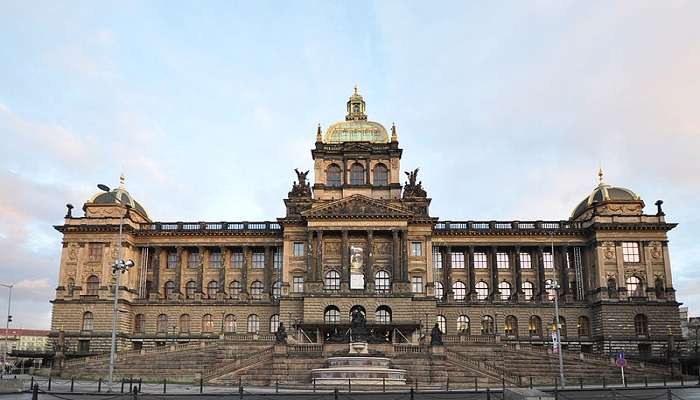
x: 237, y: 259
x: 457, y: 260
x: 298, y: 284
x: 480, y: 260
x: 95, y: 251
x: 502, y: 261
x: 83, y: 346
x: 298, y: 249
x: 630, y: 252
x: 173, y: 260
x: 195, y: 259
x: 416, y: 249
x: 525, y: 261
x: 258, y: 260
x: 277, y: 258
x: 548, y: 260
x: 417, y: 284
x: 216, y: 260
x: 437, y: 258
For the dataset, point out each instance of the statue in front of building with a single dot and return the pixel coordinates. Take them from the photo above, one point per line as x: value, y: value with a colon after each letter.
x: 281, y: 334
x: 436, y: 336
x: 358, y: 327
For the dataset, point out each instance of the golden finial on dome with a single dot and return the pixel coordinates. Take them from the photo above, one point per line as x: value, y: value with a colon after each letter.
x: 600, y: 175
x: 356, y: 88
x: 121, y: 180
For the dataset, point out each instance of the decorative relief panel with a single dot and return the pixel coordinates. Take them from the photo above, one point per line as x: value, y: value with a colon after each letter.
x: 609, y: 250
x: 331, y: 249
x: 656, y: 250
x: 382, y: 248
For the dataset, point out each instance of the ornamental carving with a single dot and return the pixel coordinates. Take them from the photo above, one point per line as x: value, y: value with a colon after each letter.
x: 332, y: 248
x: 72, y: 252
x: 655, y: 250
x: 360, y: 206
x: 382, y: 248
x: 638, y: 272
x: 609, y: 250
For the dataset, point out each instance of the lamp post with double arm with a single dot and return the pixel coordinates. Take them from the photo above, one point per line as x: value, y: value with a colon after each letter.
x: 119, y: 267
x: 7, y: 326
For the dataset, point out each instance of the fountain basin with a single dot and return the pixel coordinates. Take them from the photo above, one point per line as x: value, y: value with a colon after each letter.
x: 359, y: 371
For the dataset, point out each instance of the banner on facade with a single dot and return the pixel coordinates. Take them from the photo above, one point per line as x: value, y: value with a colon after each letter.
x: 357, y: 276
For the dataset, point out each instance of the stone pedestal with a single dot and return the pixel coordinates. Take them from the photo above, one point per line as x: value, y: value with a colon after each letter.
x: 437, y: 350
x: 359, y: 348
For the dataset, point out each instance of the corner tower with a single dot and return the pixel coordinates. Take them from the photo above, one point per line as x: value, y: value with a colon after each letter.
x: 356, y: 156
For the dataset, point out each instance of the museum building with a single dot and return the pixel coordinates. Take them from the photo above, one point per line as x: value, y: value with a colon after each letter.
x: 357, y: 238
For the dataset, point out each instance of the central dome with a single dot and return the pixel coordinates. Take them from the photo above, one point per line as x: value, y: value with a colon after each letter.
x: 356, y: 128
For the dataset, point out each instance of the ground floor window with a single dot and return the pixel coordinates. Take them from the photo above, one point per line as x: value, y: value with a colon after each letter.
x: 83, y: 346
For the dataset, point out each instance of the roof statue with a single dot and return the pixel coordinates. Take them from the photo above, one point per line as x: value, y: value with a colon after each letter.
x: 411, y: 188
x: 301, y: 187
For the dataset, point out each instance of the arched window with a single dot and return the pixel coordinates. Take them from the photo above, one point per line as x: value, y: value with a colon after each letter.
x: 253, y: 324
x: 230, y: 323
x: 504, y: 288
x: 190, y: 289
x: 584, y: 326
x: 256, y: 290
x: 162, y: 324
x: 87, y: 321
x: 169, y: 288
x: 534, y: 326
x: 382, y: 282
x: 383, y: 315
x: 277, y: 290
x: 334, y: 175
x: 463, y: 324
x: 510, y: 326
x: 212, y: 289
x: 207, y: 323
x: 487, y: 326
x: 634, y: 287
x: 442, y: 323
x: 549, y: 288
x: 185, y: 323
x: 528, y: 290
x: 439, y: 291
x: 381, y: 175
x: 332, y: 280
x: 70, y: 286
x: 482, y: 290
x: 234, y: 288
x: 459, y: 290
x: 612, y: 288
x: 93, y: 285
x: 357, y: 174
x: 331, y: 315
x: 659, y: 289
x: 139, y: 323
x: 274, y: 323
x: 641, y: 325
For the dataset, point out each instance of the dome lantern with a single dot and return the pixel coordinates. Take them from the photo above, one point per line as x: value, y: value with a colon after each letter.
x: 356, y: 127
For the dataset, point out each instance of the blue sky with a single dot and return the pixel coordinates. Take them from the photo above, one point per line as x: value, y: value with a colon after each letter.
x: 508, y: 108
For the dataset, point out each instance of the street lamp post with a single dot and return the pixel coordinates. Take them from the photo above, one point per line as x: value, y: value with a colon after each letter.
x: 119, y: 267
x: 7, y: 326
x: 555, y: 286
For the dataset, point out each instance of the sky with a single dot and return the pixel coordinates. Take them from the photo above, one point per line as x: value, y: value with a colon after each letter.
x: 507, y: 107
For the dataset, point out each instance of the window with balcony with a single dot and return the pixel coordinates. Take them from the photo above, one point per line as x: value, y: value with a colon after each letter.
x: 463, y: 324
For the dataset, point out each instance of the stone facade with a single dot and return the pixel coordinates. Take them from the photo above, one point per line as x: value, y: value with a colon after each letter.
x: 204, y: 281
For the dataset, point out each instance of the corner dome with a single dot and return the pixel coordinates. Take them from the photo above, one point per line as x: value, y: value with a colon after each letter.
x: 356, y: 127
x: 117, y: 196
x: 605, y: 193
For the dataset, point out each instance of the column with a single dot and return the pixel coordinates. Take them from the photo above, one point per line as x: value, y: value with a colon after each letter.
x: 396, y: 256
x: 370, y: 259
x: 447, y: 268
x: 344, y: 257
x: 222, y: 269
x: 155, y: 267
x: 178, y: 270
x: 162, y: 265
x: 563, y: 271
x: 319, y: 256
x: 540, y: 271
x: 244, y: 271
x: 310, y: 256
x: 493, y: 269
x: 267, y: 273
x: 518, y: 274
x: 200, y: 270
x: 404, y: 257
x: 472, y: 272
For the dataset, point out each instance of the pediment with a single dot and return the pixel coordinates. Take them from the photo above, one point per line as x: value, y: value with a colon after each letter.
x: 358, y: 206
